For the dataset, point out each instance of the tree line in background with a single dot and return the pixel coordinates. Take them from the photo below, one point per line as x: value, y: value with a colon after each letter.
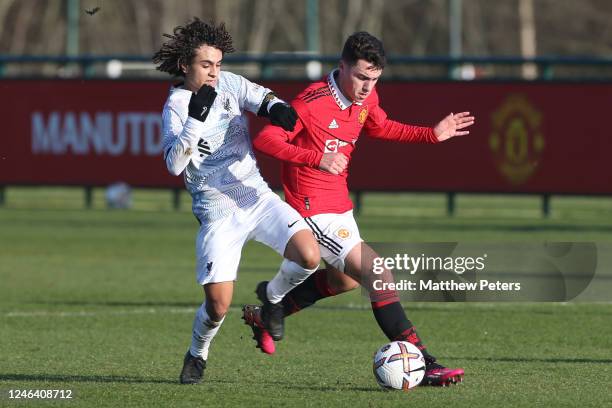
x: 408, y: 27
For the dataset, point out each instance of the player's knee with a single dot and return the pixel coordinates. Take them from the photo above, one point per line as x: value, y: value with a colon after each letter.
x: 310, y: 258
x: 306, y: 255
x: 303, y: 250
x: 217, y: 309
x: 348, y: 285
x: 342, y: 283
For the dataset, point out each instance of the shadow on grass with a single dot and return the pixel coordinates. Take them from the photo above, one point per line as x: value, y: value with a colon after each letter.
x: 84, y: 378
x: 119, y: 303
x: 123, y: 379
x: 539, y: 360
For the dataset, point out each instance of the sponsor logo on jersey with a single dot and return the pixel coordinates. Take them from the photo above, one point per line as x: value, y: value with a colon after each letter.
x: 333, y: 124
x: 343, y: 233
x: 363, y: 115
x: 331, y: 146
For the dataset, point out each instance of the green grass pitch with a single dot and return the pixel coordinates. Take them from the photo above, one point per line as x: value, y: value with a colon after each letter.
x: 101, y: 303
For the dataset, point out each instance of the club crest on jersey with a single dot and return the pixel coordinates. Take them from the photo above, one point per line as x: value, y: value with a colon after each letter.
x: 363, y: 115
x: 331, y: 146
x: 333, y: 124
x: 343, y: 233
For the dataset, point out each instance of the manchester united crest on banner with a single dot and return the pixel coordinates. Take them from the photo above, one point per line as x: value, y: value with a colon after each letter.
x: 516, y: 138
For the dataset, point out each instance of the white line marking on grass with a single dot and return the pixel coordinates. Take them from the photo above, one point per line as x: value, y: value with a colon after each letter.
x: 84, y: 313
x: 322, y: 308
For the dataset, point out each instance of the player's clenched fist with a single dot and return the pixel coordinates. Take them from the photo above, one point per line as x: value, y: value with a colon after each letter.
x: 200, y: 102
x: 333, y: 163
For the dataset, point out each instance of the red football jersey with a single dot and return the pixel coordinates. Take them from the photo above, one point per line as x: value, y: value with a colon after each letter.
x: 328, y: 123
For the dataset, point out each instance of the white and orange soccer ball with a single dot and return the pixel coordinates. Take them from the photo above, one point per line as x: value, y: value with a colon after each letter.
x: 399, y: 365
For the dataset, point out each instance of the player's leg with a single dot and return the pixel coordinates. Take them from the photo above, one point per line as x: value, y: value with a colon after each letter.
x: 318, y: 285
x: 343, y: 248
x: 206, y: 324
x: 323, y: 283
x: 388, y: 311
x: 390, y: 314
x: 218, y: 248
x: 301, y: 260
x: 281, y: 228
x: 336, y: 234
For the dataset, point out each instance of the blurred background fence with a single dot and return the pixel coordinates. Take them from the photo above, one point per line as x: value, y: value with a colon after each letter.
x: 312, y: 66
x: 536, y: 73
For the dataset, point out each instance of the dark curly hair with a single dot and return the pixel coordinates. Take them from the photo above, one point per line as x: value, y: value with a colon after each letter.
x: 184, y: 41
x: 365, y: 46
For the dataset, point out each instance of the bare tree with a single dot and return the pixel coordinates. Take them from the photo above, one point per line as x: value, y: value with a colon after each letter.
x: 22, y: 26
x: 474, y: 31
x: 372, y: 19
x: 528, y: 37
x: 260, y: 33
x: 353, y: 16
x: 414, y: 27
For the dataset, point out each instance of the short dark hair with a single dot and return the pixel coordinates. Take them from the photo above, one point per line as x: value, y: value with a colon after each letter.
x: 365, y: 46
x: 184, y: 40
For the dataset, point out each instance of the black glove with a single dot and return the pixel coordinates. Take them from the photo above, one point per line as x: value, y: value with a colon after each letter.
x: 200, y: 102
x: 283, y: 115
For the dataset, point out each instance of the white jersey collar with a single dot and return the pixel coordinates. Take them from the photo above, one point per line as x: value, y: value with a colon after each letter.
x: 340, y: 99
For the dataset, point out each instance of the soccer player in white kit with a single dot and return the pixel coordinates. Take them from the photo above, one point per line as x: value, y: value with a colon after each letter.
x: 205, y: 137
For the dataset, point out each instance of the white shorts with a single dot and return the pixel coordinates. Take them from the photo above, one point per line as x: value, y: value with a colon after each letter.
x: 219, y: 244
x: 336, y: 234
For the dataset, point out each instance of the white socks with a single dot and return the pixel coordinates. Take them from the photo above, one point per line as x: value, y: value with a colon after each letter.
x: 204, y: 329
x: 288, y: 277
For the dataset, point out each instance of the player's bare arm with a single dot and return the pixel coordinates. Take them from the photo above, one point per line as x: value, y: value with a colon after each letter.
x: 452, y: 124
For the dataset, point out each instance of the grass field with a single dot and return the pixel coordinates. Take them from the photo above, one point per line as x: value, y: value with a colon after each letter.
x: 101, y: 303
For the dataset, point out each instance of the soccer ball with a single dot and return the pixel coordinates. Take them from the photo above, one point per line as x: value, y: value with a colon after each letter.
x: 119, y: 195
x: 399, y: 365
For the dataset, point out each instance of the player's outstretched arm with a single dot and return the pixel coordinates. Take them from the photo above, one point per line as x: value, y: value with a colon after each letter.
x: 379, y: 126
x: 452, y: 126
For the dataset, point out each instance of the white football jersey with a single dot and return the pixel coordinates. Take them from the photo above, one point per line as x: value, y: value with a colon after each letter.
x: 215, y: 156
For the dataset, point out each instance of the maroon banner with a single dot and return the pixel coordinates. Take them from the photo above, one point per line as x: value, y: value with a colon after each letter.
x: 528, y: 137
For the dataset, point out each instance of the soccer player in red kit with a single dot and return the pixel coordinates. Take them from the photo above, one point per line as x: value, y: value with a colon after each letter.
x: 332, y: 115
